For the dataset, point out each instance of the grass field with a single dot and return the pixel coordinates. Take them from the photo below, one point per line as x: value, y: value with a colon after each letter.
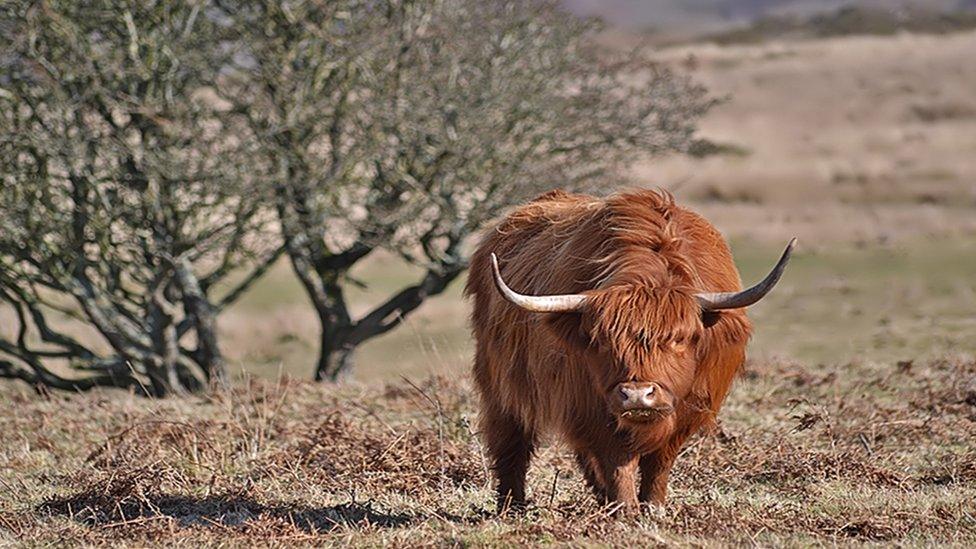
x: 855, y: 420
x: 806, y: 454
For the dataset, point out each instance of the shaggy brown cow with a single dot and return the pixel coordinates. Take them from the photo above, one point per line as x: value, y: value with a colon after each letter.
x: 625, y: 342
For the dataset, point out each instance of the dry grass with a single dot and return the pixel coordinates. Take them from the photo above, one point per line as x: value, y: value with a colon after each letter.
x: 805, y: 455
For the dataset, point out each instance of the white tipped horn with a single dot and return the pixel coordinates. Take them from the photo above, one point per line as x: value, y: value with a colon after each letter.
x: 539, y: 304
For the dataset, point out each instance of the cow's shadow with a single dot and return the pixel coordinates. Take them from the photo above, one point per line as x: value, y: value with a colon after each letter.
x: 234, y: 512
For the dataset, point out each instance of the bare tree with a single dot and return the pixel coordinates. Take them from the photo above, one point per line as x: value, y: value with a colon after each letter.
x: 124, y: 193
x: 409, y: 124
x: 139, y: 139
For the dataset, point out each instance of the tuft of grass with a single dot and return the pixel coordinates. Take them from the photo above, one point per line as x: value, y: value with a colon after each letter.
x: 713, y: 193
x: 941, y: 111
x: 703, y: 148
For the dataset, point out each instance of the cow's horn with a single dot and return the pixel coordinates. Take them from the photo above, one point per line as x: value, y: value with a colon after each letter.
x: 735, y: 300
x: 540, y: 304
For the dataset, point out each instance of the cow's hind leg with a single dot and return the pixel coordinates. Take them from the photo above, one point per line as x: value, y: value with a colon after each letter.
x: 589, y: 467
x: 510, y: 448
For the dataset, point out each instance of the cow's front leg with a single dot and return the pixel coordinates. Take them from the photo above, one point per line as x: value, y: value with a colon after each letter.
x: 620, y: 475
x: 655, y: 469
x: 510, y: 448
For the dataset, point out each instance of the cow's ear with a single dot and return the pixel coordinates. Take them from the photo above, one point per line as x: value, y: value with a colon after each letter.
x: 710, y: 318
x: 570, y: 329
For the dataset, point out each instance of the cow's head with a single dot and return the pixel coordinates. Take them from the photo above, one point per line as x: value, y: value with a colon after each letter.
x: 639, y: 341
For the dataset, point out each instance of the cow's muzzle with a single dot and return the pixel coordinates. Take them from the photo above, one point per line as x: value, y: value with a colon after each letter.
x: 641, y: 401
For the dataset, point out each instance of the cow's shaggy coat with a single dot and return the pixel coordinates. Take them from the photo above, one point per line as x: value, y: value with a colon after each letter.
x: 640, y: 259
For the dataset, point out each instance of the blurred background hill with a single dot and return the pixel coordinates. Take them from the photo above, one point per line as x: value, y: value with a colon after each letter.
x: 700, y: 14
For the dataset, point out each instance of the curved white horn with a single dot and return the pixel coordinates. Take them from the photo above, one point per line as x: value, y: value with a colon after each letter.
x: 539, y: 304
x: 736, y: 300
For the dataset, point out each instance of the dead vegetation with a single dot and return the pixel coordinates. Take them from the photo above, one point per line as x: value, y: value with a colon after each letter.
x: 805, y: 454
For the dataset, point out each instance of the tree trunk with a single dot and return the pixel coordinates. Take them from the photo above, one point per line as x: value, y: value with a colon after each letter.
x: 335, y: 347
x: 335, y: 361
x: 341, y: 335
x: 161, y: 367
x: 207, y: 354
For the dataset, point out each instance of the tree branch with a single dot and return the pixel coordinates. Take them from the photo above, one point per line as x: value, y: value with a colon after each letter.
x: 252, y: 277
x: 392, y: 312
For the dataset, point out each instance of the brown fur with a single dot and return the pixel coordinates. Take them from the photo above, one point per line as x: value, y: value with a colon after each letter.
x: 640, y: 258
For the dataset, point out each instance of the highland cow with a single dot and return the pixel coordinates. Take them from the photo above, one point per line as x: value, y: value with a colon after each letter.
x: 624, y: 333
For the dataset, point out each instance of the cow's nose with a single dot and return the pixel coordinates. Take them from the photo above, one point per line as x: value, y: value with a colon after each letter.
x: 635, y: 395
